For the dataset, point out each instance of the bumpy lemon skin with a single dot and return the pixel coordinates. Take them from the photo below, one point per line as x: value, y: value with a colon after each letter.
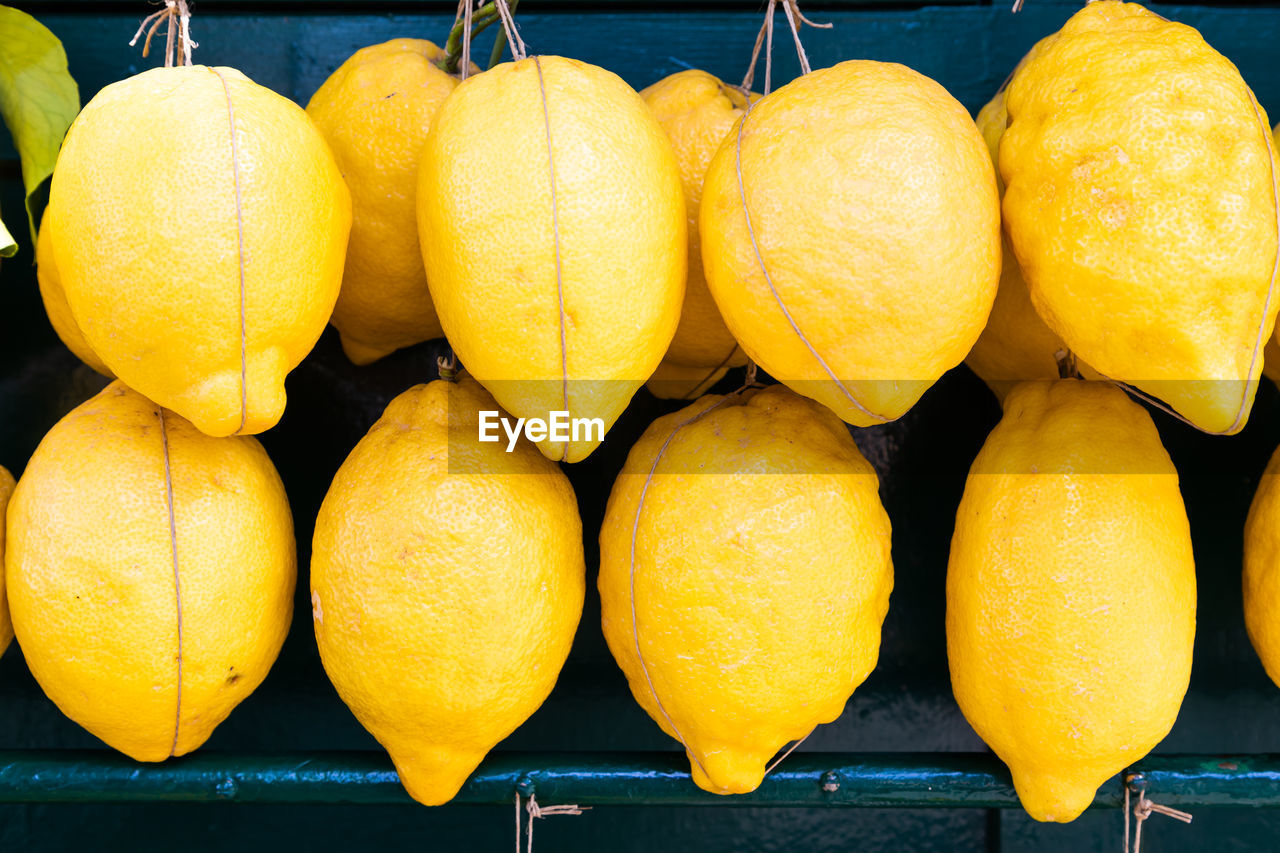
x: 374, y: 112
x: 6, y: 624
x: 1271, y: 353
x: 447, y: 581
x: 697, y: 110
x: 874, y: 216
x: 55, y: 301
x: 1143, y: 201
x: 150, y: 571
x: 564, y: 306
x: 1071, y: 532
x: 199, y: 227
x: 1015, y: 345
x: 754, y: 564
x: 1262, y: 570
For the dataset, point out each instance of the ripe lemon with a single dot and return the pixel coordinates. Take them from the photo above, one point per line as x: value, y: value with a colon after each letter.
x: 1141, y: 200
x: 151, y: 571
x: 55, y: 301
x: 1071, y: 592
x: 199, y: 225
x: 447, y: 582
x: 677, y: 382
x: 1016, y: 345
x: 1262, y: 570
x: 1271, y: 353
x: 556, y: 260
x: 374, y: 111
x: 6, y: 625
x: 744, y: 576
x: 697, y: 110
x: 851, y: 236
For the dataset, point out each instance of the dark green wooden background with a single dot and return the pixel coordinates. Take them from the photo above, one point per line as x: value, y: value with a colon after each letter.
x: 905, y: 705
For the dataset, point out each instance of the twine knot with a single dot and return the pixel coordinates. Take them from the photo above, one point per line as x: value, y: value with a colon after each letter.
x: 1143, y: 809
x: 535, y: 812
x: 177, y: 37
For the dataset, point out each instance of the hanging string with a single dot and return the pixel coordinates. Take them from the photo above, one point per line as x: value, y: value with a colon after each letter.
x: 177, y: 36
x: 537, y: 812
x: 796, y: 19
x: 1143, y: 810
x: 783, y: 757
x: 765, y: 29
x: 764, y: 39
x: 466, y: 39
x: 518, y: 49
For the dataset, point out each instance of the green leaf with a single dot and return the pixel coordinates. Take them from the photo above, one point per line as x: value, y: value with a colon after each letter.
x: 7, y: 244
x: 38, y: 98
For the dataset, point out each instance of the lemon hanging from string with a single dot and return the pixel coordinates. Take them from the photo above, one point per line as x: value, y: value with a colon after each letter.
x: 1071, y: 532
x: 374, y: 111
x: 557, y: 259
x: 150, y: 572
x: 199, y: 225
x: 447, y: 581
x: 851, y: 236
x: 1143, y: 202
x: 744, y: 576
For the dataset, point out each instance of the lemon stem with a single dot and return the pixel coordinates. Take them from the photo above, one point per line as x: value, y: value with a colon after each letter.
x: 484, y: 16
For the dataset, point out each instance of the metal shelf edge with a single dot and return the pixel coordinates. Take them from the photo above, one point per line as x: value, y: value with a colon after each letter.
x: 812, y: 779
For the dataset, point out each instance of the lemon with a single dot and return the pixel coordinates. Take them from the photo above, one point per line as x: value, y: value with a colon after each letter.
x: 1141, y: 200
x: 6, y: 624
x: 374, y: 111
x: 1071, y: 592
x: 1016, y: 345
x: 850, y: 232
x: 55, y: 301
x: 1271, y: 352
x: 697, y: 110
x: 744, y: 577
x: 1262, y: 570
x: 557, y: 260
x: 150, y: 570
x: 447, y: 581
x: 199, y: 224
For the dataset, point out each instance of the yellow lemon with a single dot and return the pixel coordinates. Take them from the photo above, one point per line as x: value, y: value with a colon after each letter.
x: 1262, y: 570
x: 1271, y: 353
x: 1016, y: 345
x: 677, y: 382
x: 851, y: 236
x: 1071, y: 532
x: 697, y: 110
x: 6, y: 625
x: 744, y: 577
x: 1141, y: 199
x: 556, y: 260
x: 150, y: 570
x: 374, y: 111
x: 55, y: 301
x: 199, y: 224
x: 447, y: 581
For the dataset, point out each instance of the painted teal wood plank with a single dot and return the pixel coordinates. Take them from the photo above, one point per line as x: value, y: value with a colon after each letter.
x: 969, y: 50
